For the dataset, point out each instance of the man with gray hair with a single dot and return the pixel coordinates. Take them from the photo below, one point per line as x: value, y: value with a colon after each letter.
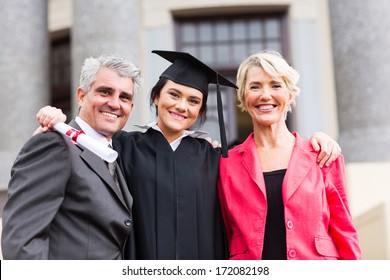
x: 63, y: 202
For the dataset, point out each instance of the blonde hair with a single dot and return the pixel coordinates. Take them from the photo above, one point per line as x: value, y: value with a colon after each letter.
x: 274, y: 65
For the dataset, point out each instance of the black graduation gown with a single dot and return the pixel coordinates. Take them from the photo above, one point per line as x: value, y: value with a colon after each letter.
x: 175, y: 203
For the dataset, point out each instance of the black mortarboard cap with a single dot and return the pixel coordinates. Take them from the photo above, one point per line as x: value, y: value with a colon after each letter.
x: 188, y: 70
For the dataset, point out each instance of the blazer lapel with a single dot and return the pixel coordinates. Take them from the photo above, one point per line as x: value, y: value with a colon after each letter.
x: 251, y: 163
x: 302, y: 160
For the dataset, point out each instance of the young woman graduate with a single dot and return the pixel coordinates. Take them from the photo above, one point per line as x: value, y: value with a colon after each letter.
x: 171, y: 173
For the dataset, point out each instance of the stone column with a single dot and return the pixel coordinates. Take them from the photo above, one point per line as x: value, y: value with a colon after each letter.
x: 23, y: 75
x: 101, y: 26
x: 361, y: 44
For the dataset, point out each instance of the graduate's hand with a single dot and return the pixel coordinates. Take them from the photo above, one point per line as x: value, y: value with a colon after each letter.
x: 48, y: 117
x: 329, y: 148
x: 215, y: 143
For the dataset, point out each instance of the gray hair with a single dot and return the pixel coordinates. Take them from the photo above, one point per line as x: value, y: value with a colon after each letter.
x: 122, y: 66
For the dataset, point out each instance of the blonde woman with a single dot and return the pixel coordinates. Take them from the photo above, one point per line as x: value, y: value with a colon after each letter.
x: 277, y: 202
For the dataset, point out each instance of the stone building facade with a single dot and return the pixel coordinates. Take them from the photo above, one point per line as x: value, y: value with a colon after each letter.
x: 339, y: 48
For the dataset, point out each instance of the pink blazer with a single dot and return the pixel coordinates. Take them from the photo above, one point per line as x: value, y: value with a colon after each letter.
x: 317, y: 218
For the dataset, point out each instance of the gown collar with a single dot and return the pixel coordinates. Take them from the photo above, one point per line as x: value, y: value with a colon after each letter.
x: 174, y: 144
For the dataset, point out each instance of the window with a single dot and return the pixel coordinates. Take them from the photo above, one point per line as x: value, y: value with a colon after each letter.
x: 223, y: 42
x: 60, y: 75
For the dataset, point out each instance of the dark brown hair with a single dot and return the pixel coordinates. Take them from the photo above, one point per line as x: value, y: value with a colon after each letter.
x: 155, y: 93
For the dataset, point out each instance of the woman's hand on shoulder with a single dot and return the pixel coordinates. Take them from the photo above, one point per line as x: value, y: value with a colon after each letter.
x: 329, y: 150
x: 215, y: 143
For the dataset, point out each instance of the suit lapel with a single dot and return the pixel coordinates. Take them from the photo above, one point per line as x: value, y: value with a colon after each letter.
x: 100, y: 168
x: 125, y: 190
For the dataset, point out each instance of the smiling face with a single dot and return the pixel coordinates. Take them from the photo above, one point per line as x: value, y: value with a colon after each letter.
x: 266, y: 99
x: 108, y: 103
x: 178, y: 109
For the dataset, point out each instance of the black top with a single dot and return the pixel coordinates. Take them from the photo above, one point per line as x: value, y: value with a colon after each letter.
x: 175, y: 208
x: 275, y: 230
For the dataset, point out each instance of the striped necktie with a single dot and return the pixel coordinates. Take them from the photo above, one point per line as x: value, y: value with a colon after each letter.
x: 112, y: 166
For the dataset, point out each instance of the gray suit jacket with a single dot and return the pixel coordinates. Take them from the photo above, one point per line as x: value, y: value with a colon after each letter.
x: 64, y: 204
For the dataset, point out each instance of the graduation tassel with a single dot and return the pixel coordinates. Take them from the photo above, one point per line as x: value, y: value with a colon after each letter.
x: 221, y: 121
